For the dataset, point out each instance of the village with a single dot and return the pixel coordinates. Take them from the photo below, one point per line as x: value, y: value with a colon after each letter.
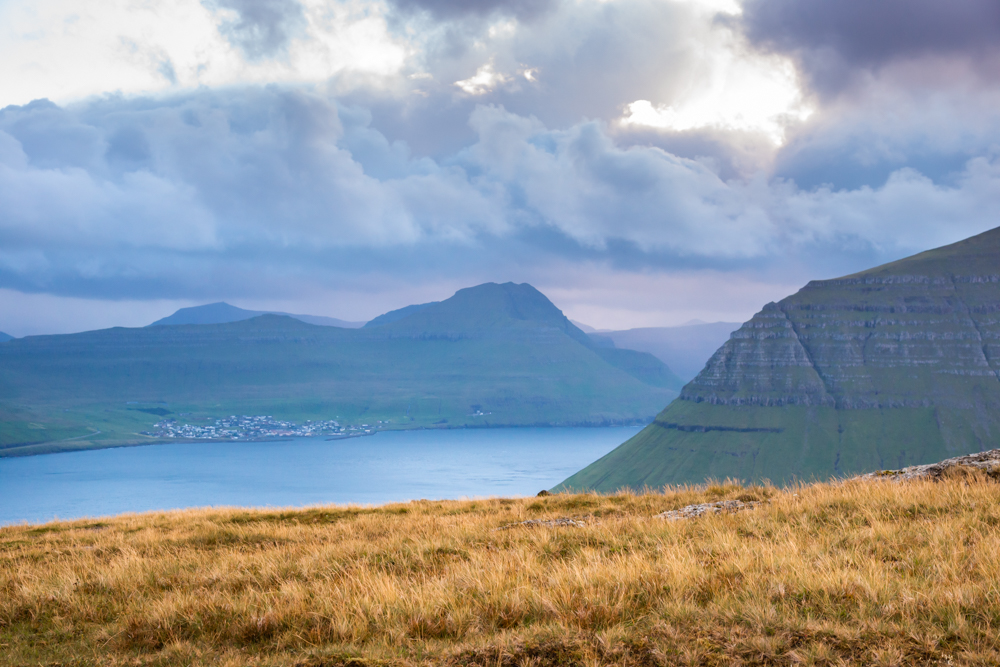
x: 256, y: 427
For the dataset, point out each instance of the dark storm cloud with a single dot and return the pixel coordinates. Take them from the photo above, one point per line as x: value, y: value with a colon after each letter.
x: 263, y: 27
x: 835, y: 38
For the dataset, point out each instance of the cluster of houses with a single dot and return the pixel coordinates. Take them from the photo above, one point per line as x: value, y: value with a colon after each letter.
x: 245, y: 427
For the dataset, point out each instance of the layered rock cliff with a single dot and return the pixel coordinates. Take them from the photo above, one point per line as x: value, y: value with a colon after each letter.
x: 898, y: 365
x: 860, y: 343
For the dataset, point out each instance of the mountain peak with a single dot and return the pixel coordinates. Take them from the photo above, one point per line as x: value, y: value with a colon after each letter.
x: 490, y: 306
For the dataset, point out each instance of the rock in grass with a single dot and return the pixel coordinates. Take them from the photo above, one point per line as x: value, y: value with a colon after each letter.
x: 986, y: 462
x: 546, y: 523
x: 719, y: 507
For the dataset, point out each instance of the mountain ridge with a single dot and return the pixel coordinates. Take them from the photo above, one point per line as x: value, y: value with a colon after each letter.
x: 396, y: 315
x: 508, y: 361
x: 221, y: 312
x: 897, y: 365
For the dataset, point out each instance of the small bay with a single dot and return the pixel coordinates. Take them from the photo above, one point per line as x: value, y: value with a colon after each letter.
x: 387, y: 467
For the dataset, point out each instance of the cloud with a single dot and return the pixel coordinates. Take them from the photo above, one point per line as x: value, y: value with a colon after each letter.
x: 261, y: 28
x: 586, y: 59
x: 600, y: 194
x: 895, y: 85
x: 269, y: 192
x: 593, y: 60
x: 456, y: 9
x: 834, y: 39
x: 68, y: 50
x: 108, y: 190
x: 884, y: 127
x: 419, y: 67
x: 595, y: 193
x: 484, y: 80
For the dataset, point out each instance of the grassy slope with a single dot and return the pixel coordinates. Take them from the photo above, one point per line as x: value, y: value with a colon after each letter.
x: 859, y: 573
x: 417, y: 374
x: 794, y: 443
x: 923, y: 350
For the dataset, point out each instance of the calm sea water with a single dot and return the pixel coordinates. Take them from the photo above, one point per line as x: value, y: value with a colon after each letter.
x: 387, y: 467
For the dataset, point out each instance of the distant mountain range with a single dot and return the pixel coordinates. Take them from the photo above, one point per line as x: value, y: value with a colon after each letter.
x: 492, y: 355
x: 5, y: 337
x: 685, y: 349
x: 886, y: 368
x: 222, y: 313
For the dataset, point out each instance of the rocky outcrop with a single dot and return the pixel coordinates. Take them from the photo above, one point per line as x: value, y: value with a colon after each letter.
x: 986, y: 462
x: 561, y: 522
x: 702, y: 509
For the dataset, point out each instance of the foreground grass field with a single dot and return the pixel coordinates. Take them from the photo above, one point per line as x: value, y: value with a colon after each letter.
x: 853, y: 573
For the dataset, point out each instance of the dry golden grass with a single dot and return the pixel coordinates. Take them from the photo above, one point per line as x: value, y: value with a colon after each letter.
x: 854, y: 573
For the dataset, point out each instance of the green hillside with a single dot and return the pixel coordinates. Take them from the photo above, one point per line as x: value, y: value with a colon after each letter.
x: 493, y: 355
x: 894, y: 366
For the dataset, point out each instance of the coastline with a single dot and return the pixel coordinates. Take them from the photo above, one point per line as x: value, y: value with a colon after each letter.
x: 79, y: 445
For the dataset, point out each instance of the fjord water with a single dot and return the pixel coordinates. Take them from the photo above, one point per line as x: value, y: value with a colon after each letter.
x: 387, y: 467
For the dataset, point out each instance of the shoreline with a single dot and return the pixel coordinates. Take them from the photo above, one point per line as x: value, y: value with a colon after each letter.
x: 52, y: 448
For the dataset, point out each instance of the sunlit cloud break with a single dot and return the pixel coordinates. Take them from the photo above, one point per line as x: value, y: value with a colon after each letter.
x: 737, y: 93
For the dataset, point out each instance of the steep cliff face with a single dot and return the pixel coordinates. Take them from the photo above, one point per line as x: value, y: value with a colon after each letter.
x: 763, y: 363
x: 898, y: 363
x: 882, y: 342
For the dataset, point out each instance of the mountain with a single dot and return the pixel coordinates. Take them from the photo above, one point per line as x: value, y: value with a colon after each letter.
x: 886, y: 368
x: 396, y: 315
x: 492, y: 355
x: 584, y: 327
x: 221, y: 313
x: 488, y: 309
x: 513, y: 311
x: 5, y: 337
x: 685, y: 349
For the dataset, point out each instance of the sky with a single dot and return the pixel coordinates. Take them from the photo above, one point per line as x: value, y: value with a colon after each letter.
x: 641, y: 162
